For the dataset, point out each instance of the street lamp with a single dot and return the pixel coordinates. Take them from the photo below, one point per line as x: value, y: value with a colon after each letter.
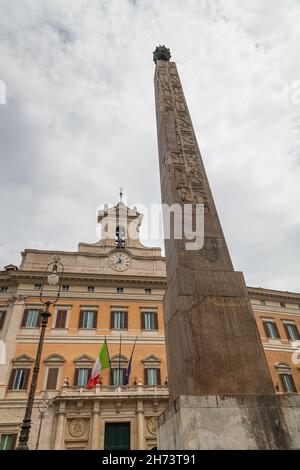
x: 53, y: 276
x: 43, y: 406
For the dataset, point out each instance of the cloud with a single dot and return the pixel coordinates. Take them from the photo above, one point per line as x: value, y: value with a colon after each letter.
x: 80, y: 119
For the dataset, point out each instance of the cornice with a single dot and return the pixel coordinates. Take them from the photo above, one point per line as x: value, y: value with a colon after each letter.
x: 100, y: 279
x: 261, y: 293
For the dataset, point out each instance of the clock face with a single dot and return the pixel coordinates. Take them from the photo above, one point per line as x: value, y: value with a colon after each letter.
x: 119, y: 261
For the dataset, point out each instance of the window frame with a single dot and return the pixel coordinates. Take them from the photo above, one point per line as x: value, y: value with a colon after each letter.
x: 292, y: 382
x: 267, y: 331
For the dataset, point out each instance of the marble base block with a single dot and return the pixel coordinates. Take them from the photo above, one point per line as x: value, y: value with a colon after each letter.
x: 231, y: 423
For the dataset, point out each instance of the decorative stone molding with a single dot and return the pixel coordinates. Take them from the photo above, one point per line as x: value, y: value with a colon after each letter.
x: 152, y: 425
x: 77, y: 427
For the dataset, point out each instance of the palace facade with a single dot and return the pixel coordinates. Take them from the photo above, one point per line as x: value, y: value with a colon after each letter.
x: 112, y: 289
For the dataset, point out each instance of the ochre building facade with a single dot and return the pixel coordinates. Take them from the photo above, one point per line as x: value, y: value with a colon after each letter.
x: 112, y: 289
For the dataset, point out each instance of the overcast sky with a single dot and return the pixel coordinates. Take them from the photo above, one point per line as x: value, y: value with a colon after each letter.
x: 80, y: 119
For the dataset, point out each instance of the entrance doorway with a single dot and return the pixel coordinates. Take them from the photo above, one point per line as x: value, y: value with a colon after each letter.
x: 117, y: 436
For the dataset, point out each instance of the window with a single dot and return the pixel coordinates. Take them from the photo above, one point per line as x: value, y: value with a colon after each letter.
x: 31, y: 318
x: 19, y: 379
x: 37, y: 286
x: 91, y: 289
x: 262, y: 302
x: 65, y: 287
x: 61, y: 318
x: 291, y: 331
x: 52, y: 378
x: 8, y: 441
x: 118, y: 376
x: 282, y: 304
x: 152, y: 376
x: 271, y: 330
x: 149, y: 321
x: 82, y: 376
x: 288, y: 383
x: 2, y: 318
x: 120, y: 237
x: 119, y: 320
x: 87, y: 319
x: 3, y: 289
x: 120, y: 290
x: 147, y: 291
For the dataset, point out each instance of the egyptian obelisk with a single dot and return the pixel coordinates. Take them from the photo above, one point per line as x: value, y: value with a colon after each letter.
x: 212, y: 342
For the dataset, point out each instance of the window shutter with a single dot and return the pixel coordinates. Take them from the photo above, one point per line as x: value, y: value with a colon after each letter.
x: 126, y: 320
x: 266, y: 329
x: 155, y: 321
x: 27, y: 372
x: 124, y: 375
x: 297, y: 332
x: 89, y: 373
x: 112, y: 319
x: 24, y: 319
x: 142, y: 320
x: 11, y: 379
x: 286, y: 331
x: 111, y: 377
x: 145, y: 376
x: 81, y: 319
x: 13, y: 441
x: 52, y: 378
x: 2, y: 318
x: 61, y: 317
x: 76, y: 377
x: 39, y: 320
x: 277, y: 332
x: 95, y: 316
x: 158, y: 377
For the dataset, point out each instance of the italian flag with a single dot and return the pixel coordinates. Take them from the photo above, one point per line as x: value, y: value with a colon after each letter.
x: 101, y: 363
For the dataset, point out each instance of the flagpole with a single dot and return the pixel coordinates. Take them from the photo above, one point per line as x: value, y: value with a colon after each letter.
x: 110, y: 370
x: 130, y: 362
x: 119, y: 374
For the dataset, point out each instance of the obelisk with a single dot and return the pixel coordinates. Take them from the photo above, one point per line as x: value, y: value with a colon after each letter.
x: 212, y: 342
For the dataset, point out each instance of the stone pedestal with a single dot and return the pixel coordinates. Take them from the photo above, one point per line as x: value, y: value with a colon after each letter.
x: 230, y: 423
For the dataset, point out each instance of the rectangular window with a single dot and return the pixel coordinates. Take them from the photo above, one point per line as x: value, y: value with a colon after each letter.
x: 147, y: 291
x: 282, y: 304
x: 88, y: 319
x: 82, y: 376
x: 31, y: 318
x: 288, y: 383
x: 52, y: 378
x: 91, y: 289
x: 262, y: 302
x: 152, y: 376
x: 120, y: 290
x: 8, y: 441
x: 2, y: 318
x: 119, y: 320
x: 18, y: 379
x: 61, y: 318
x: 3, y: 289
x: 65, y: 288
x: 271, y: 330
x: 292, y: 331
x: 149, y: 321
x: 37, y: 286
x: 118, y: 376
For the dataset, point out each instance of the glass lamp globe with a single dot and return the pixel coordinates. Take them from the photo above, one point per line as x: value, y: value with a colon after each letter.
x: 53, y: 279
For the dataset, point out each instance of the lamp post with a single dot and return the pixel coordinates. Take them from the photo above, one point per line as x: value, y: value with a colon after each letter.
x: 43, y: 406
x: 53, y: 278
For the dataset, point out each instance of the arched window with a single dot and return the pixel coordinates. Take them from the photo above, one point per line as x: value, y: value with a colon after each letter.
x: 120, y: 237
